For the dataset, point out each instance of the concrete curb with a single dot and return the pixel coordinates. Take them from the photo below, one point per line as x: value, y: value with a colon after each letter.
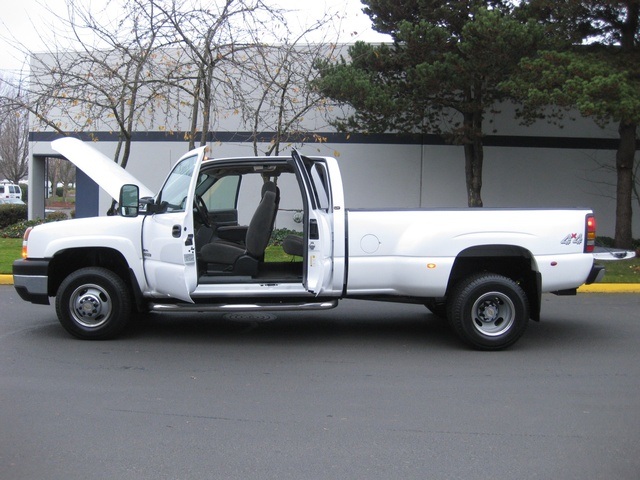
x: 610, y: 288
x: 593, y: 288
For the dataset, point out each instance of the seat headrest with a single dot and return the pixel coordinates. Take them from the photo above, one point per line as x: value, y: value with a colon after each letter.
x: 271, y: 187
x: 268, y: 187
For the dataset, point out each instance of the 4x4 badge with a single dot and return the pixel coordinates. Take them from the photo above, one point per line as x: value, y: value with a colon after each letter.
x: 575, y: 238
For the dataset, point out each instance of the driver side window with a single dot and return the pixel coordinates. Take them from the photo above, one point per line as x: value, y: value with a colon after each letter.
x: 174, y: 192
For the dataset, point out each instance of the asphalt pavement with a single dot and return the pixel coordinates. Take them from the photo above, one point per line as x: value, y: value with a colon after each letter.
x: 367, y: 390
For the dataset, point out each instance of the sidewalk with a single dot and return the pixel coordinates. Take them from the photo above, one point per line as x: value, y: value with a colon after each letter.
x: 593, y: 288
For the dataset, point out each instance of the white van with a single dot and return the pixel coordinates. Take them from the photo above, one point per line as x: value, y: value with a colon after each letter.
x: 10, y: 190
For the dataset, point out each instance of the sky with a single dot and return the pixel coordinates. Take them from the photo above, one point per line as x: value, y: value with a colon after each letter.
x: 19, y: 18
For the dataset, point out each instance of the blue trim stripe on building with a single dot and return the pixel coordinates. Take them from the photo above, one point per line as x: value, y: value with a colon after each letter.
x: 586, y: 143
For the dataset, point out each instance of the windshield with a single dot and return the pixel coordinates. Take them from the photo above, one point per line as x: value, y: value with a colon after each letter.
x: 174, y: 192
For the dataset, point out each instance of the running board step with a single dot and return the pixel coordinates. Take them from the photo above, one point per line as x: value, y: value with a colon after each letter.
x: 241, y: 307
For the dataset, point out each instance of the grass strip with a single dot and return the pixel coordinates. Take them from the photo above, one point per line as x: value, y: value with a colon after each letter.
x: 10, y: 250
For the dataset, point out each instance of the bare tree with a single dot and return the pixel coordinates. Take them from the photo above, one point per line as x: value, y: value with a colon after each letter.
x: 156, y: 60
x: 272, y: 88
x: 63, y: 173
x: 121, y: 73
x: 14, y: 131
x: 605, y: 187
x: 211, y: 40
x: 107, y: 81
x: 106, y: 78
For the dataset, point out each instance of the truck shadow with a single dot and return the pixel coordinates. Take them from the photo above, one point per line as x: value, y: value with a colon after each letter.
x: 288, y: 329
x: 412, y: 331
x: 406, y: 325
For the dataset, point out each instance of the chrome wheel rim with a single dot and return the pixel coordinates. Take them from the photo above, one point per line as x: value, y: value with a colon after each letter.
x: 90, y: 305
x: 493, y: 314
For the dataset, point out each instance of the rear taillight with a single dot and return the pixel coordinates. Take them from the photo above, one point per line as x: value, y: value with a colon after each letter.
x: 25, y: 239
x: 590, y: 227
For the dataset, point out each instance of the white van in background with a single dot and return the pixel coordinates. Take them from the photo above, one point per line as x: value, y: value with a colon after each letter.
x: 10, y: 190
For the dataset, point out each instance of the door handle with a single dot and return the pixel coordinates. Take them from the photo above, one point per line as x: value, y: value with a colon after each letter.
x: 176, y: 231
x: 314, y: 233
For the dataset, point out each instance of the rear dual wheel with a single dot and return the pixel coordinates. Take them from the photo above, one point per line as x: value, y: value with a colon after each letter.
x: 488, y: 311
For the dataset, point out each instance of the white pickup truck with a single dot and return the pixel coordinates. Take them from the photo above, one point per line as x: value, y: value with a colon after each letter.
x: 186, y: 249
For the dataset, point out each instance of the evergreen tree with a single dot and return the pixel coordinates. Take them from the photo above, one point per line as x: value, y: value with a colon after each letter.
x: 440, y: 75
x: 597, y: 73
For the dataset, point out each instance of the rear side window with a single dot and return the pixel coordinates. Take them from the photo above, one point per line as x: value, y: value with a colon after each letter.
x: 223, y: 194
x: 321, y: 184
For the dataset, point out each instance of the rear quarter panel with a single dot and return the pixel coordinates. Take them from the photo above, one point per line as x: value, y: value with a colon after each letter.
x: 412, y: 252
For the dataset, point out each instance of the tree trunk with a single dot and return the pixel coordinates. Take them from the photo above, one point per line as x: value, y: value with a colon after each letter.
x: 53, y: 176
x: 194, y: 110
x: 206, y: 114
x: 473, y: 158
x: 625, y: 157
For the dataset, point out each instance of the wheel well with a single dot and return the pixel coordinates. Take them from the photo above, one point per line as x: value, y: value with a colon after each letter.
x: 71, y: 260
x: 510, y: 261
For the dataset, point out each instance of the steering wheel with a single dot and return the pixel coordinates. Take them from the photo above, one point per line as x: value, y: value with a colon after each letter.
x: 202, y: 211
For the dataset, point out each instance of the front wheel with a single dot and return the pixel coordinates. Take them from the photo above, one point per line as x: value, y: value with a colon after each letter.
x: 488, y: 311
x: 93, y: 304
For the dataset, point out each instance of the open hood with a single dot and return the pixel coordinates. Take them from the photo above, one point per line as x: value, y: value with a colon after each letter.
x: 97, y: 166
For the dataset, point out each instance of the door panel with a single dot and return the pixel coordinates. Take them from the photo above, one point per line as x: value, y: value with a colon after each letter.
x: 319, y: 262
x: 169, y: 252
x: 318, y: 238
x: 224, y: 218
x: 168, y: 236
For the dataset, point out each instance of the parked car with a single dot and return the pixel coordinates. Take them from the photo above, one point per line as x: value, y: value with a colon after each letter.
x: 10, y: 190
x: 14, y: 201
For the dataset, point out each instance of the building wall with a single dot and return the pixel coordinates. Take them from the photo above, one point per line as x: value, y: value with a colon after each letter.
x: 541, y: 165
x: 381, y: 175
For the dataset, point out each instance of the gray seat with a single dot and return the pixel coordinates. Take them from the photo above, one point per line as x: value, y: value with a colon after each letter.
x: 238, y: 233
x: 293, y: 245
x: 243, y: 259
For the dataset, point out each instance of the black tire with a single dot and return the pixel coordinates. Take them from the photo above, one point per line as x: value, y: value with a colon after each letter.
x: 488, y: 311
x: 93, y: 303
